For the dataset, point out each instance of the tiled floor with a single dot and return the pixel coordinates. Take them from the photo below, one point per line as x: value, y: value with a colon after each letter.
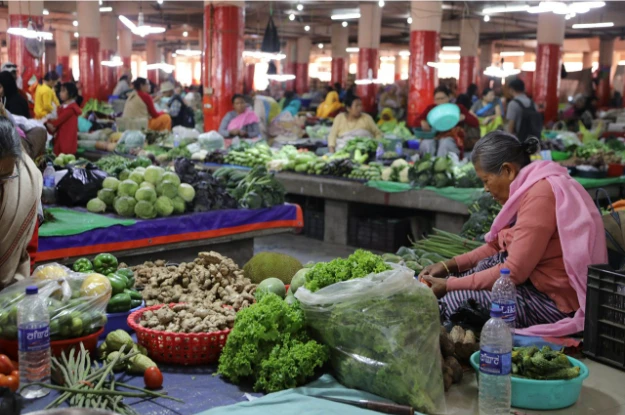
x: 603, y: 392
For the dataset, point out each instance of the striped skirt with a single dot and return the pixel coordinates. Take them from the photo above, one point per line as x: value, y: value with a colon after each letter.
x: 533, y: 306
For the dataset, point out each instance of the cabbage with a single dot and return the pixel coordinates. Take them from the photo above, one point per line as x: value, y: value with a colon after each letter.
x: 167, y: 188
x: 107, y: 196
x: 145, y: 210
x: 127, y: 188
x: 110, y: 183
x: 146, y: 184
x: 125, y: 206
x: 140, y: 170
x: 147, y: 194
x: 179, y: 205
x: 136, y: 176
x: 154, y: 174
x: 124, y: 175
x: 172, y: 177
x: 164, y: 206
x: 96, y: 206
x: 132, y: 139
x: 186, y: 192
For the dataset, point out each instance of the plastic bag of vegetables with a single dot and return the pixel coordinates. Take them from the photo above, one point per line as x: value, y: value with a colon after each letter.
x: 76, y: 302
x: 383, y: 332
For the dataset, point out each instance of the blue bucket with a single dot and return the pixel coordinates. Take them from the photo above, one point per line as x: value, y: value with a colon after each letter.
x: 117, y: 321
x: 444, y: 117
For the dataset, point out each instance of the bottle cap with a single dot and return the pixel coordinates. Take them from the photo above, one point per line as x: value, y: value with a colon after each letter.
x: 32, y: 290
x: 495, y: 311
x: 504, y: 271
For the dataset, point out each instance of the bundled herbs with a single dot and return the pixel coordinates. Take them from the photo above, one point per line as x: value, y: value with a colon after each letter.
x: 249, y: 156
x: 445, y: 245
x: 210, y: 194
x: 259, y: 189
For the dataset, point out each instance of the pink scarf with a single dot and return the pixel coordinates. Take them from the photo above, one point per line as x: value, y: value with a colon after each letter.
x: 581, y: 234
x: 246, y: 118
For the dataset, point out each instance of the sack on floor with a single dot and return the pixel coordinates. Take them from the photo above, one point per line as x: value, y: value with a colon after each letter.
x: 383, y: 332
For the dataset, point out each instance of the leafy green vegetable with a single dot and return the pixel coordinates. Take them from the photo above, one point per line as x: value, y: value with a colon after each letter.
x: 145, y: 210
x: 269, y: 345
x: 127, y: 188
x: 361, y: 263
x: 125, y: 206
x: 96, y: 206
x: 154, y: 174
x: 542, y: 364
x: 164, y: 206
x: 147, y: 194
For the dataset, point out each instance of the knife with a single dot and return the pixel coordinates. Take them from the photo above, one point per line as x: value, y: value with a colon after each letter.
x: 386, y: 408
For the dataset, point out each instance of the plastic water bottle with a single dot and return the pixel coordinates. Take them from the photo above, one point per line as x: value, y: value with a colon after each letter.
x: 48, y: 176
x: 48, y: 193
x: 379, y: 152
x: 399, y: 148
x: 33, y: 331
x: 495, y: 366
x: 503, y: 296
x: 176, y: 140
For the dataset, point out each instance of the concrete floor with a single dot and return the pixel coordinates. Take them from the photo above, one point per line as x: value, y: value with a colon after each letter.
x: 603, y: 393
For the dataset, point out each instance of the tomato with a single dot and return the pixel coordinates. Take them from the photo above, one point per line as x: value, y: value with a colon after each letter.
x: 16, y: 373
x: 13, y: 383
x: 6, y: 367
x: 4, y: 383
x: 153, y: 378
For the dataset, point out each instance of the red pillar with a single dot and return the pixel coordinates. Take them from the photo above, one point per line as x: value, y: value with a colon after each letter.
x: 548, y: 59
x: 339, y: 71
x: 27, y: 64
x: 152, y: 56
x: 469, y: 40
x: 468, y: 72
x: 606, y: 52
x: 340, y: 40
x: 223, y: 50
x: 301, y: 65
x: 424, y: 48
x: 63, y: 47
x: 528, y: 78
x: 249, y: 78
x: 368, y: 63
x: 108, y: 74
x: 89, y: 49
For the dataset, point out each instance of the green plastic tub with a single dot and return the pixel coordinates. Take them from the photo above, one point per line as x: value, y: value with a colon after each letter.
x: 543, y: 394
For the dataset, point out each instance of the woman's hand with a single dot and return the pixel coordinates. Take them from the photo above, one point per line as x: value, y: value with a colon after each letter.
x: 437, y: 270
x: 331, y: 149
x: 425, y: 126
x: 438, y: 285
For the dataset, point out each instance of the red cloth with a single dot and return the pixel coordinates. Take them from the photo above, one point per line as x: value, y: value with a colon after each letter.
x: 66, y: 137
x: 33, y: 246
x: 469, y: 119
x: 147, y: 100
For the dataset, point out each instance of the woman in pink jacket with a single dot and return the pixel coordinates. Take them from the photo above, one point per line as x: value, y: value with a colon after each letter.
x: 547, y: 233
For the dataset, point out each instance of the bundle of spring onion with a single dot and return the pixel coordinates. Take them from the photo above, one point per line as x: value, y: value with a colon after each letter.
x: 446, y: 244
x: 87, y: 385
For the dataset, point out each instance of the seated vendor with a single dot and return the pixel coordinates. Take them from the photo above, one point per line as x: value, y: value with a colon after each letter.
x: 351, y: 124
x: 140, y: 105
x: 387, y: 119
x: 451, y: 141
x: 241, y: 122
x: 488, y: 108
x: 547, y: 233
x: 330, y: 107
x: 20, y: 184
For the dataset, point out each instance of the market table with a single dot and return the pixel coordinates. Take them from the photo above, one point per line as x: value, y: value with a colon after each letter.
x: 78, y: 233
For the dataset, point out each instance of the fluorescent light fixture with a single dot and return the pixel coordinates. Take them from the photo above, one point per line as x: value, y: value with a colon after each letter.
x: 498, y: 72
x: 344, y: 24
x: 592, y: 25
x: 345, y: 16
x: 281, y: 77
x: 141, y: 29
x: 300, y: 7
x: 387, y: 58
x: 46, y: 12
x: 381, y: 3
x: 165, y: 67
x: 352, y: 50
x: 159, y: 1
x: 528, y: 66
x: 75, y: 23
x: 106, y: 9
x: 589, y: 4
x: 512, y: 53
x: 451, y: 48
x: 505, y: 9
x: 29, y: 32
x: 75, y: 34
x: 449, y: 56
x: 487, y: 18
x: 409, y: 20
x: 569, y: 16
x: 188, y: 52
x: 291, y: 17
x: 185, y: 34
x: 433, y: 64
x: 324, y: 59
x: 368, y: 81
x: 320, y: 45
x: 113, y: 63
x: 404, y: 53
x: 257, y: 54
x: 307, y: 28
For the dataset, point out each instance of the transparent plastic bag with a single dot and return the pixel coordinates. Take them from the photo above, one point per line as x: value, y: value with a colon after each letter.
x: 76, y: 302
x: 383, y: 331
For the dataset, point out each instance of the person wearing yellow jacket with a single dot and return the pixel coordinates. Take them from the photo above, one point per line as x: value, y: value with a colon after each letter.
x: 45, y: 97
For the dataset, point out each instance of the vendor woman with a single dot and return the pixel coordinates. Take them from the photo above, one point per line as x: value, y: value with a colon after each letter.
x: 20, y: 192
x: 547, y: 233
x: 241, y: 122
x: 140, y: 105
x: 351, y: 124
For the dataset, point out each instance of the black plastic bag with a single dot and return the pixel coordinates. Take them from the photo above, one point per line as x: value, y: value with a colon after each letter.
x: 79, y: 185
x: 271, y: 40
x: 470, y: 315
x: 10, y: 403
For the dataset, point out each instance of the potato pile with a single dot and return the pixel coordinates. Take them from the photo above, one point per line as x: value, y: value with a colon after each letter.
x: 212, y: 280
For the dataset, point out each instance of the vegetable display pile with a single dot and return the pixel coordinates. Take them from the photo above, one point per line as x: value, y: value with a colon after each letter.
x: 483, y: 212
x: 357, y: 265
x: 210, y: 193
x: 432, y: 171
x: 466, y: 177
x: 63, y: 160
x: 270, y: 346
x: 186, y: 318
x: 259, y: 189
x: 115, y: 165
x: 399, y: 171
x: 371, y: 171
x: 113, y: 347
x: 211, y: 279
x: 542, y: 364
x: 123, y: 296
x: 596, y: 154
x: 144, y: 192
x: 397, y: 129
x: 249, y: 156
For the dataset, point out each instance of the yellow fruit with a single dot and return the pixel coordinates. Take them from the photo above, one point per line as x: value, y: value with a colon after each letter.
x: 50, y: 272
x: 95, y: 285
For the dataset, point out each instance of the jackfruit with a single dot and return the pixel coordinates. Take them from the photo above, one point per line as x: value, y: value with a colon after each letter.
x: 271, y: 264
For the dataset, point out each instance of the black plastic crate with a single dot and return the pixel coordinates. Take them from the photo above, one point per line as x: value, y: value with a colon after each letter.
x: 314, y: 223
x: 381, y: 234
x: 604, y: 328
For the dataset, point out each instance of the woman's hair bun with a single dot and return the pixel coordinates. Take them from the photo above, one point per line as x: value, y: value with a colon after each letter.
x: 531, y: 145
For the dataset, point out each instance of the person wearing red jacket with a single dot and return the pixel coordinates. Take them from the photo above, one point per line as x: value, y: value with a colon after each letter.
x: 65, y: 126
x: 451, y: 141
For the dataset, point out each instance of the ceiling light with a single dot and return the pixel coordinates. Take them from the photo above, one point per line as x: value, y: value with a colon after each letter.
x: 404, y: 53
x: 569, y: 16
x: 592, y: 25
x: 106, y: 9
x: 512, y: 53
x: 381, y: 3
x: 75, y: 34
x: 141, y: 29
x: 345, y: 16
x: 307, y: 28
x: 352, y: 50
x: 173, y: 55
x: 320, y: 46
x: 505, y: 9
x: 46, y: 12
x: 409, y: 20
x: 185, y: 34
x: 387, y: 58
x: 257, y: 54
x: 165, y: 67
x: 75, y: 23
x: 99, y: 2
x: 487, y: 18
x: 324, y: 59
x: 291, y: 17
x: 114, y: 62
x: 621, y: 63
x: 589, y: 4
x: 30, y: 32
x: 300, y: 7
x: 368, y: 81
x: 344, y: 24
x: 528, y: 67
x: 498, y: 72
x: 433, y: 64
x: 451, y: 48
x: 188, y: 52
x: 281, y: 77
x: 159, y: 1
x: 451, y: 56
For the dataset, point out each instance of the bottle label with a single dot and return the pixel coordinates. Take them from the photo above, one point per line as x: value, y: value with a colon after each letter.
x: 508, y: 311
x: 48, y: 181
x: 33, y: 339
x: 495, y: 363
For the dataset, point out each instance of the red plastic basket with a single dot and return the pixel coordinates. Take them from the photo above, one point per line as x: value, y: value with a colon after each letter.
x: 178, y: 348
x: 57, y: 347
